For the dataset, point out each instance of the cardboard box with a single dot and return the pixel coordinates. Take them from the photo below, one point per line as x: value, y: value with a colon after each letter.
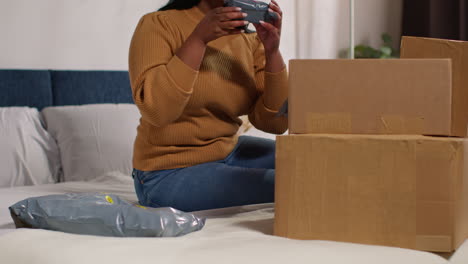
x: 412, y: 47
x: 391, y: 190
x: 371, y: 97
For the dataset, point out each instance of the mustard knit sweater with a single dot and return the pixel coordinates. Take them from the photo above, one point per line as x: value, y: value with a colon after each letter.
x: 191, y: 117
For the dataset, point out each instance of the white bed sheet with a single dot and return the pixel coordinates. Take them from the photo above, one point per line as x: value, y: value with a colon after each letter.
x: 232, y: 235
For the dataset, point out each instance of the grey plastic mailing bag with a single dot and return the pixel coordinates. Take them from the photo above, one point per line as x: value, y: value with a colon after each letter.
x: 256, y: 10
x: 102, y: 215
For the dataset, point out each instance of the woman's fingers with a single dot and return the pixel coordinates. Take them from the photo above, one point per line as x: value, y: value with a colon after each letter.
x: 278, y: 21
x: 278, y: 15
x: 258, y: 27
x: 267, y: 26
x: 274, y: 5
x: 231, y: 16
x: 233, y: 24
x: 222, y: 10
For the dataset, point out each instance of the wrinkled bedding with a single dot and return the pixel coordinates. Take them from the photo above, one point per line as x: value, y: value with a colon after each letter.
x: 231, y: 235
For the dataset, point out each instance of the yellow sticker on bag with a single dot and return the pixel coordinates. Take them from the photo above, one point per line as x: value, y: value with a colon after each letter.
x: 109, y: 199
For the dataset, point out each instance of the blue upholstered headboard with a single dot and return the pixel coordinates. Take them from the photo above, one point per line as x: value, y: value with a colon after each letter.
x: 43, y: 88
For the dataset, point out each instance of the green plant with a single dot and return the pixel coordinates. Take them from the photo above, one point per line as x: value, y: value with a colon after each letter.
x: 384, y: 52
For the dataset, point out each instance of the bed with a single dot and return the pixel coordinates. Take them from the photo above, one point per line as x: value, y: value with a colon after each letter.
x: 78, y: 111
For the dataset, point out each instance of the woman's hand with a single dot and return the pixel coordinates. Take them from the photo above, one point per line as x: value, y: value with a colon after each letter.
x: 219, y: 22
x: 270, y: 34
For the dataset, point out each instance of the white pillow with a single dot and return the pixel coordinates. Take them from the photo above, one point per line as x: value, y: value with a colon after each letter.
x: 28, y: 154
x: 93, y: 139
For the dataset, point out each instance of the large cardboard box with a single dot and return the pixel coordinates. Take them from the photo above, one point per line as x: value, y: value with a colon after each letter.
x: 457, y: 51
x: 372, y: 97
x: 391, y: 190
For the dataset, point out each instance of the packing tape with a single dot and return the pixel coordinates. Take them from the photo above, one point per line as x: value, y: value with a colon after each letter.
x: 330, y: 123
x: 395, y: 124
x: 341, y: 123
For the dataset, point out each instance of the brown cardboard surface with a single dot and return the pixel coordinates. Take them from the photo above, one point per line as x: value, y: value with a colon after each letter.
x: 457, y: 51
x: 392, y: 190
x: 411, y: 96
x: 461, y: 203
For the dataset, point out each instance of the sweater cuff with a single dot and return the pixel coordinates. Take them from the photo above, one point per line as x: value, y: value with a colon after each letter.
x: 276, y: 89
x: 182, y: 75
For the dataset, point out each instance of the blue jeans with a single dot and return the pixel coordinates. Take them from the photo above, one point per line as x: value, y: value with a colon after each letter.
x: 246, y: 176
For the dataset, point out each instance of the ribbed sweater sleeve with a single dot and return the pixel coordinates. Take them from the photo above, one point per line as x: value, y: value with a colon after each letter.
x: 272, y: 93
x: 161, y: 83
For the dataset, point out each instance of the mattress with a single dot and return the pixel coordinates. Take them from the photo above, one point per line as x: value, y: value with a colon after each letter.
x: 231, y: 235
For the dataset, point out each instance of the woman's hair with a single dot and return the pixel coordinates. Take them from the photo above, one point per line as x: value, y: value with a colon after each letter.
x: 180, y: 4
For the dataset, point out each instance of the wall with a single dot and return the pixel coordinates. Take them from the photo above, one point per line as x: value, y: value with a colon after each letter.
x: 95, y: 34
x: 60, y: 34
x: 323, y: 26
x: 374, y: 17
x: 81, y: 34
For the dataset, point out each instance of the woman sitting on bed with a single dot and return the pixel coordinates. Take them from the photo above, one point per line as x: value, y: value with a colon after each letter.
x: 193, y: 73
